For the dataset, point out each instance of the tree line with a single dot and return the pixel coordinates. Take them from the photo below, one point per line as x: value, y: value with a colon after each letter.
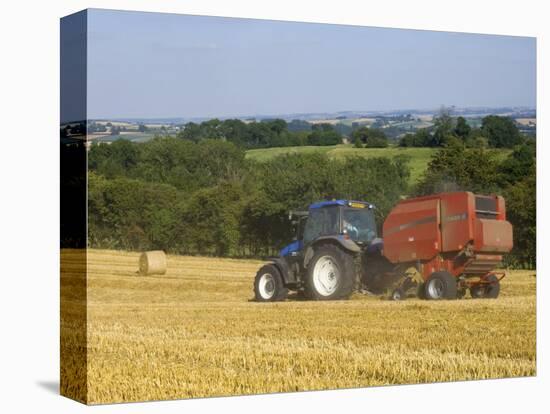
x: 279, y: 133
x: 495, y: 132
x: 206, y: 198
x: 264, y: 134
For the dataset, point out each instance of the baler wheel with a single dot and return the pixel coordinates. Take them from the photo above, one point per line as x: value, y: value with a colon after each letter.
x: 477, y: 292
x: 492, y: 291
x: 398, y: 294
x: 440, y: 285
x: 486, y: 291
x: 421, y: 291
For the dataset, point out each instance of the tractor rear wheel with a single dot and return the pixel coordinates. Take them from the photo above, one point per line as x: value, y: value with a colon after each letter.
x: 330, y: 274
x: 440, y: 285
x: 269, y: 285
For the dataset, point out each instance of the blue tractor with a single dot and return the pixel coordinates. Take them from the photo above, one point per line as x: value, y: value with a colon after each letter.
x: 322, y: 261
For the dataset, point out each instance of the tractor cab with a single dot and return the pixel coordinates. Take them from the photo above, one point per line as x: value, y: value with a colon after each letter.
x: 342, y: 219
x: 320, y: 262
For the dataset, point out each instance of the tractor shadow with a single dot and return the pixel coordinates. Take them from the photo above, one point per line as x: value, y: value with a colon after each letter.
x: 292, y: 297
x: 297, y: 297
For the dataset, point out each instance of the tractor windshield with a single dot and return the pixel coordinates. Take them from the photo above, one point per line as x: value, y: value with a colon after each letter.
x: 359, y: 224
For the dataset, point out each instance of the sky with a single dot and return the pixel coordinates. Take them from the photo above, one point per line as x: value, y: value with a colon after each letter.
x: 155, y: 65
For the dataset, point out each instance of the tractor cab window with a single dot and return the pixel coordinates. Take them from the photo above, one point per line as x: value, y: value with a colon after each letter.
x: 322, y: 222
x: 359, y: 224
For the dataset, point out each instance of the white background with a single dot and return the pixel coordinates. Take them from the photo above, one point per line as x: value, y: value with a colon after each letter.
x: 29, y: 203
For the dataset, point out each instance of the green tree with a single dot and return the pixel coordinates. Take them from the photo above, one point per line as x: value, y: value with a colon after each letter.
x: 212, y: 219
x: 475, y: 139
x: 378, y: 180
x: 264, y: 225
x: 371, y: 137
x: 462, y: 129
x: 421, y: 138
x: 376, y: 139
x: 120, y: 158
x: 235, y: 131
x: 324, y: 134
x: 407, y: 140
x: 191, y: 131
x: 521, y: 163
x: 521, y: 209
x: 212, y: 129
x: 501, y: 132
x: 456, y: 167
x: 130, y: 214
x: 297, y: 125
x: 444, y: 126
x: 188, y: 166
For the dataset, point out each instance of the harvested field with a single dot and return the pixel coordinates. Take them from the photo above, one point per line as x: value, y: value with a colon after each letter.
x: 526, y: 121
x: 194, y: 332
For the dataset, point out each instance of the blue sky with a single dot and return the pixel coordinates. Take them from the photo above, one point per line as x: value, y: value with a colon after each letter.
x: 151, y: 65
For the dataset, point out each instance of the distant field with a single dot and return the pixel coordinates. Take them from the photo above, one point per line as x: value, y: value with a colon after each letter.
x: 194, y: 332
x: 130, y: 136
x: 526, y: 121
x: 419, y: 157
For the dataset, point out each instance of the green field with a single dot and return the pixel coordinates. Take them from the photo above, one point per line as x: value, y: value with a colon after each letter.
x: 135, y: 137
x: 419, y: 157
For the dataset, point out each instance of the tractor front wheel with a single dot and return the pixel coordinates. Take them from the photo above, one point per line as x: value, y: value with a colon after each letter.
x: 330, y: 274
x: 440, y: 285
x: 269, y: 286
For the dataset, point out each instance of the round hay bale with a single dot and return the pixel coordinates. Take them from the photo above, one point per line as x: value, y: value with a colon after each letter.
x: 152, y: 263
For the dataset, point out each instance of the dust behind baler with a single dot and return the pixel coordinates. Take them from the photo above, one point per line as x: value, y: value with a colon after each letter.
x: 460, y: 234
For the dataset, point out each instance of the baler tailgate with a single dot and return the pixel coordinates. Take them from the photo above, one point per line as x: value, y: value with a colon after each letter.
x: 493, y: 236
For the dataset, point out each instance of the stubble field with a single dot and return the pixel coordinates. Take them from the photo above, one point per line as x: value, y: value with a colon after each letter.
x: 195, y: 332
